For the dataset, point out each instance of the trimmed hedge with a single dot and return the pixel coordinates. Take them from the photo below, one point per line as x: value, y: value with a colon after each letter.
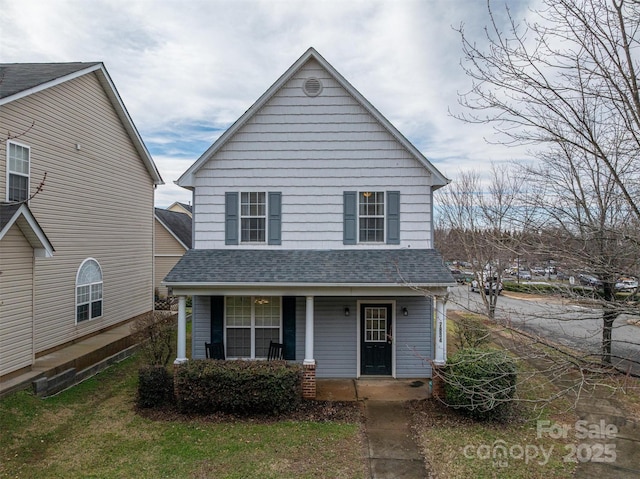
x: 155, y: 387
x: 481, y: 382
x: 239, y: 387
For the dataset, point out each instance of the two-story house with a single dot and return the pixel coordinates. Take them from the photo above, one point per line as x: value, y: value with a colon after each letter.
x: 173, y: 231
x: 72, y: 264
x: 313, y: 227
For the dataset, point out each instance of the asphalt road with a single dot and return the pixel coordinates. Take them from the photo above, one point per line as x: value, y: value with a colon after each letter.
x: 576, y: 326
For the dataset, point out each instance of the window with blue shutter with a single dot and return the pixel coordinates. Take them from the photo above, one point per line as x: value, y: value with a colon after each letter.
x: 371, y: 217
x: 231, y: 218
x: 393, y: 217
x: 350, y: 219
x: 275, y: 218
x: 289, y: 327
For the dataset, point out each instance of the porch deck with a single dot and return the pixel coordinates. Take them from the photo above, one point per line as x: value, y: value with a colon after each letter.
x: 374, y: 388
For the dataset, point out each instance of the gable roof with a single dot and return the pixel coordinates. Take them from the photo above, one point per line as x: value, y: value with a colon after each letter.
x: 344, y: 268
x: 18, y: 80
x: 177, y: 224
x: 20, y: 214
x: 179, y: 205
x: 187, y: 178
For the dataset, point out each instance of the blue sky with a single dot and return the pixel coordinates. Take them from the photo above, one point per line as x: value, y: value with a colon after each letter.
x: 187, y: 69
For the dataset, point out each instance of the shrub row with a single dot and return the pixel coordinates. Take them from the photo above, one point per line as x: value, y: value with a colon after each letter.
x: 155, y: 387
x: 239, y: 387
x: 533, y: 288
x: 481, y: 382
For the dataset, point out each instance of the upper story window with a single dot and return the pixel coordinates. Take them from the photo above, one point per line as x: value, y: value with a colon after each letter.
x: 18, y: 157
x: 253, y: 217
x: 371, y: 216
x: 88, y: 290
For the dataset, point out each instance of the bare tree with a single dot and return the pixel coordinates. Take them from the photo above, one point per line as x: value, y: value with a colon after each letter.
x: 478, y: 217
x: 579, y: 202
x: 569, y: 75
x: 566, y: 81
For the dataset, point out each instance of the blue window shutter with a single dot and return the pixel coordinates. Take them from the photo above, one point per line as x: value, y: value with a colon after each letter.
x: 275, y: 217
x: 350, y: 218
x: 289, y: 327
x: 393, y: 217
x: 217, y: 319
x: 231, y: 218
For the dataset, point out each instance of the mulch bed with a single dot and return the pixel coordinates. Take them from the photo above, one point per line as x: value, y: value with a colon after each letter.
x: 311, y: 411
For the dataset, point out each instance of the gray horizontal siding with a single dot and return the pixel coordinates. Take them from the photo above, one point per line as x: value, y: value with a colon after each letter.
x: 336, y: 339
x: 201, y: 325
x: 311, y: 150
x: 413, y: 341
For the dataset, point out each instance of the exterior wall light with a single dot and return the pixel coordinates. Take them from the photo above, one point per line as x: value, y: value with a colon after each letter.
x: 346, y: 311
x: 405, y: 311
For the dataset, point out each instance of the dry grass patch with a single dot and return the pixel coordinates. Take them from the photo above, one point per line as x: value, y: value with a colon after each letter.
x: 93, y: 430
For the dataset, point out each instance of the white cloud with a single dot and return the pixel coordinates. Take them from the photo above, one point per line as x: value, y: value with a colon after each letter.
x: 187, y: 69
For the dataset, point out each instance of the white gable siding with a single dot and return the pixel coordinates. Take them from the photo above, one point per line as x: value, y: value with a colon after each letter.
x: 312, y: 149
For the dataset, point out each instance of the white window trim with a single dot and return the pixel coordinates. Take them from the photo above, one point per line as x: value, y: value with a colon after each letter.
x: 266, y: 218
x: 384, y: 217
x: 9, y: 172
x: 90, y: 284
x: 252, y: 327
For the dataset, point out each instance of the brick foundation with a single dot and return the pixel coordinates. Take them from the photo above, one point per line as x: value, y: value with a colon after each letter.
x: 437, y: 383
x: 309, y: 381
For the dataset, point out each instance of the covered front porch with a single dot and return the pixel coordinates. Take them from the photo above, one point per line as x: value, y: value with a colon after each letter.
x: 388, y: 327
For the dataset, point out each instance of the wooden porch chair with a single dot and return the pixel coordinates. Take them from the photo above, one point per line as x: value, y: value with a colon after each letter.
x: 276, y: 351
x: 214, y: 350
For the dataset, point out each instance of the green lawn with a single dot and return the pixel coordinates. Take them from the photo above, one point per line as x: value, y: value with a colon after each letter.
x: 93, y: 431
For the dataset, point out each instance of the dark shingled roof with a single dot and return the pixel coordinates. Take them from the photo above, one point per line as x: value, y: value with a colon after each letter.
x: 7, y: 210
x: 178, y: 223
x: 370, y: 266
x: 186, y: 207
x: 17, y: 77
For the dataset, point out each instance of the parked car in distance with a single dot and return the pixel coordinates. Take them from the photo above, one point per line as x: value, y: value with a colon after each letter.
x: 495, y: 285
x: 458, y: 276
x: 524, y: 274
x: 626, y: 284
x: 588, y: 280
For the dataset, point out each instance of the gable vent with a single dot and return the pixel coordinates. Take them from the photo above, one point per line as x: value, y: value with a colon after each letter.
x: 312, y: 87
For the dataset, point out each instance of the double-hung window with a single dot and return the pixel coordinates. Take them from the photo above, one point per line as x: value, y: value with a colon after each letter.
x: 252, y: 322
x: 253, y: 217
x: 18, y: 157
x: 88, y: 291
x: 371, y: 217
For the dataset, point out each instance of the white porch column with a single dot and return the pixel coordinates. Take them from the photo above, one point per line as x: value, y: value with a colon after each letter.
x: 441, y: 331
x: 182, y: 330
x: 308, y: 337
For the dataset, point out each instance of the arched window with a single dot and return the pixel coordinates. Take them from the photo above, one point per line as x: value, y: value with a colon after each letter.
x: 88, y: 290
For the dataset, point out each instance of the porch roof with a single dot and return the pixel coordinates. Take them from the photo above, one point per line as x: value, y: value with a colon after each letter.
x: 348, y: 267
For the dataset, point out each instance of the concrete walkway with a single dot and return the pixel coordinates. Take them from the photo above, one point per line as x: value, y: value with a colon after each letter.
x: 601, y: 413
x: 392, y: 452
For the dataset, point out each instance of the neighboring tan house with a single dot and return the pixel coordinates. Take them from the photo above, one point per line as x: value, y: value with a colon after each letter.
x: 181, y: 208
x: 313, y: 228
x: 66, y: 125
x: 172, y: 239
